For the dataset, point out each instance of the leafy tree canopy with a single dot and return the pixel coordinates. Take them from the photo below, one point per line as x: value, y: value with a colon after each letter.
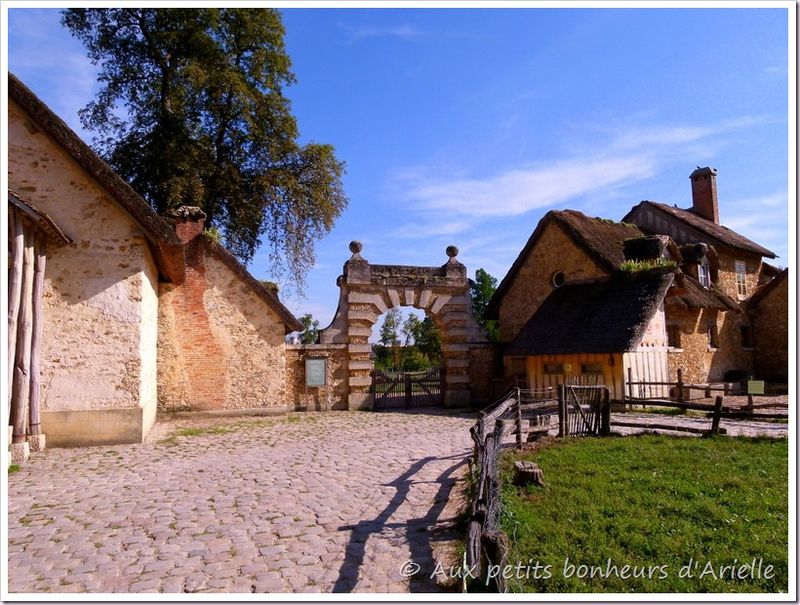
x: 481, y: 290
x: 205, y: 123
x: 310, y: 332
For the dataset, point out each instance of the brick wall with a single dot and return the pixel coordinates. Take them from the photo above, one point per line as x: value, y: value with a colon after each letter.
x: 220, y: 345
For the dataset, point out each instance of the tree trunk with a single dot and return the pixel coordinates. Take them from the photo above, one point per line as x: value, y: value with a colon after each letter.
x: 17, y: 241
x: 20, y: 384
x: 36, y: 337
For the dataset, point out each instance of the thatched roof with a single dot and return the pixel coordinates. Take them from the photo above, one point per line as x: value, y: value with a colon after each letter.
x: 602, y: 239
x: 687, y: 293
x: 167, y: 248
x: 40, y: 219
x: 608, y: 315
x: 267, y: 294
x: 716, y: 233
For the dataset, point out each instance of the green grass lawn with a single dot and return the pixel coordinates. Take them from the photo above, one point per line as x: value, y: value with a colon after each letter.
x: 657, y: 504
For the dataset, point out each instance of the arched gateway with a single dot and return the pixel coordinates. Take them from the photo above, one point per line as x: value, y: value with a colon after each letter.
x: 369, y: 290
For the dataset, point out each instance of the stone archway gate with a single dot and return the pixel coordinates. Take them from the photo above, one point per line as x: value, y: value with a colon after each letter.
x: 367, y: 291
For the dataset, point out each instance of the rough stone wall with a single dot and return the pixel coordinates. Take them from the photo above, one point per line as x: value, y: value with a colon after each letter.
x: 699, y: 363
x: 220, y: 346
x: 726, y: 280
x: 333, y: 396
x: 99, y: 291
x: 771, y: 334
x: 554, y: 251
x: 485, y: 363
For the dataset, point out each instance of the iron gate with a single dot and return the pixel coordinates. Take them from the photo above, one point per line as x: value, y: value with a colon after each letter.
x: 407, y: 389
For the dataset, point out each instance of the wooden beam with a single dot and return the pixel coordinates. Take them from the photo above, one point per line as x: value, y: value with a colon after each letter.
x: 36, y: 336
x: 17, y: 241
x: 22, y: 354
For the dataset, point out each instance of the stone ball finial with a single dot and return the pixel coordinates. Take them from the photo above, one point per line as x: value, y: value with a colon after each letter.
x: 356, y: 246
x: 452, y: 251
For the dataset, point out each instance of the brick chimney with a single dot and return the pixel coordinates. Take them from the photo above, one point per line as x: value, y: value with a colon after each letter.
x: 189, y: 222
x: 704, y: 193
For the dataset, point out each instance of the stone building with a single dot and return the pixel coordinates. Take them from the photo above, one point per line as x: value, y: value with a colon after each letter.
x: 768, y: 310
x: 701, y: 326
x: 122, y: 285
x: 711, y: 343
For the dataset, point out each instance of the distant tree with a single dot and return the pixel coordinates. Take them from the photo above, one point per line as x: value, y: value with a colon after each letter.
x: 389, y: 334
x: 481, y: 290
x: 310, y: 332
x: 206, y: 124
x: 428, y: 341
x: 389, y: 329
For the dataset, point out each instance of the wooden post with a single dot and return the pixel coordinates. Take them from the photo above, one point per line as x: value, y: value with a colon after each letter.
x: 680, y: 385
x: 717, y: 414
x: 562, y: 411
x: 16, y: 238
x: 36, y: 336
x: 409, y: 392
x: 22, y: 354
x: 519, y: 420
x: 750, y: 402
x: 605, y: 413
x: 630, y: 383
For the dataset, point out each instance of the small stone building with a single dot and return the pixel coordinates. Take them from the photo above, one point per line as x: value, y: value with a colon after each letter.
x: 136, y: 316
x: 704, y: 329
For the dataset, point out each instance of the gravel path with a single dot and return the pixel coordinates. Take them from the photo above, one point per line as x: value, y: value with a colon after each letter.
x: 337, y: 501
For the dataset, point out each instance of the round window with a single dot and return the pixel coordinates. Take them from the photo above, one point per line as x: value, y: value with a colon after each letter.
x: 558, y: 279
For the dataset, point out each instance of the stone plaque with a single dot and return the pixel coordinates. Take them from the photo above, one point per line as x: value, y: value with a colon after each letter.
x: 755, y: 387
x: 315, y: 372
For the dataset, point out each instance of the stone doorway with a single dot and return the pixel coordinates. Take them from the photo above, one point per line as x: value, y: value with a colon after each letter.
x: 367, y: 291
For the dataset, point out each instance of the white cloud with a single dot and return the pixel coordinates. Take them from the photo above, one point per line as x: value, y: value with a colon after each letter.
x: 363, y: 32
x: 624, y: 155
x: 525, y: 188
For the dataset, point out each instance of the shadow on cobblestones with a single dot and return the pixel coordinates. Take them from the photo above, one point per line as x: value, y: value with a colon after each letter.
x: 415, y: 531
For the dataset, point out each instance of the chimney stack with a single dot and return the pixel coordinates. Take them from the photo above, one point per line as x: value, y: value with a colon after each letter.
x: 189, y: 222
x: 704, y: 193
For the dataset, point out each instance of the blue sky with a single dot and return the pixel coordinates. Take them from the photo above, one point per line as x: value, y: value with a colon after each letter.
x: 465, y: 126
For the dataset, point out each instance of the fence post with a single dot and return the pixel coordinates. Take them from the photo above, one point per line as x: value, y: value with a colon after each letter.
x: 519, y: 419
x: 717, y: 414
x: 680, y: 385
x: 409, y: 393
x: 630, y: 383
x: 605, y: 413
x: 562, y: 411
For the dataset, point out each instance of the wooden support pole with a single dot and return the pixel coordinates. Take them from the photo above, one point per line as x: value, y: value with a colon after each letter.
x: 717, y: 414
x: 22, y: 355
x: 37, y: 318
x: 16, y: 239
x: 519, y: 420
x: 562, y: 411
x: 680, y: 385
x: 605, y: 413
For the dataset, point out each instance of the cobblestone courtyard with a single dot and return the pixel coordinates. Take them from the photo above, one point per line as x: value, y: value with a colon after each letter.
x: 306, y: 503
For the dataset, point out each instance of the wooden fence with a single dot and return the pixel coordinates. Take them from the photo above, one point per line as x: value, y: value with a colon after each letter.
x: 582, y: 410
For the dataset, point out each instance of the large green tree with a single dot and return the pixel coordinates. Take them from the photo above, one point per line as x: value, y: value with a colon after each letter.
x: 481, y: 290
x: 191, y: 111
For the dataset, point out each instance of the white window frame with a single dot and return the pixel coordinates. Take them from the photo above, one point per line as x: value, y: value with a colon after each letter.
x: 741, y: 278
x: 704, y: 274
